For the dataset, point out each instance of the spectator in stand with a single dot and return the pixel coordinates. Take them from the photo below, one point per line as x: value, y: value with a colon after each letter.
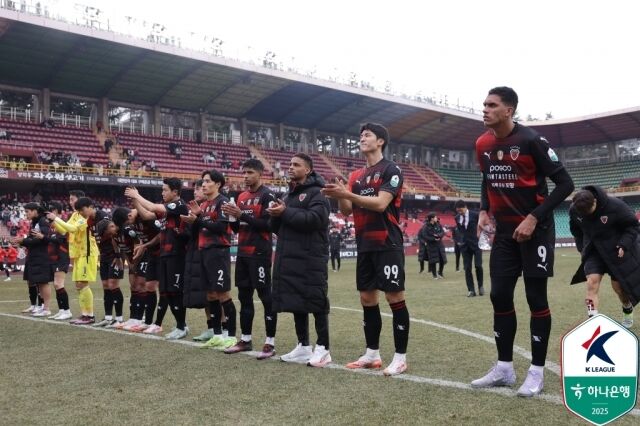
x: 208, y: 158
x: 179, y: 152
x: 107, y: 145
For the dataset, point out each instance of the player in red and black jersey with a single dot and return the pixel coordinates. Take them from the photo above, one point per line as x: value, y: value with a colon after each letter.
x: 253, y: 264
x: 59, y: 257
x: 144, y: 298
x: 111, y: 272
x: 172, y: 253
x: 214, y: 242
x: 515, y: 162
x: 373, y: 195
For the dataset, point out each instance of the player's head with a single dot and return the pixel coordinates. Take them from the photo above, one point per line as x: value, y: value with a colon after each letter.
x: 55, y: 207
x: 300, y: 167
x: 171, y: 188
x: 432, y: 217
x: 499, y: 106
x: 74, y: 195
x: 212, y: 182
x: 86, y: 207
x: 252, y: 171
x: 33, y: 210
x: 197, y: 191
x: 106, y: 229
x: 122, y: 216
x: 584, y: 202
x: 461, y: 207
x: 373, y: 136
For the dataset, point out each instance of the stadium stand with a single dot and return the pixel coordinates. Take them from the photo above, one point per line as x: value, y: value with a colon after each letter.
x: 464, y: 181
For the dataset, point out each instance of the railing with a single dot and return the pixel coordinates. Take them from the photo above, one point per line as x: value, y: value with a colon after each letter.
x: 19, y: 114
x: 170, y: 132
x: 30, y: 116
x: 70, y: 120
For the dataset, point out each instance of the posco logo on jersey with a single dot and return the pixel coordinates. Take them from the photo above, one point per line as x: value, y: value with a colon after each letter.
x: 499, y: 168
x: 367, y: 191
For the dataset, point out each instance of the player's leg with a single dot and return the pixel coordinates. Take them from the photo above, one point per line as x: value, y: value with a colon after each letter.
x: 270, y: 323
x: 592, y: 299
x: 333, y: 260
x: 391, y: 276
x: 467, y: 258
x: 338, y: 258
x: 321, y: 355
x: 477, y: 260
x: 302, y: 352
x: 230, y: 316
x: 44, y: 290
x: 366, y: 283
x: 174, y: 275
x: 245, y: 287
x: 62, y: 297
x: 213, y: 271
x: 627, y: 306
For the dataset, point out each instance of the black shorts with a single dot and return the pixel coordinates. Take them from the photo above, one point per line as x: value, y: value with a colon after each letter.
x: 153, y: 268
x: 532, y: 258
x: 380, y: 270
x: 171, y: 274
x: 61, y: 266
x: 253, y: 272
x: 147, y: 267
x: 215, y: 269
x: 594, y: 264
x: 110, y: 272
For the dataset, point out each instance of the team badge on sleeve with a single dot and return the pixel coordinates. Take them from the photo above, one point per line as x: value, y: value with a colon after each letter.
x: 171, y: 206
x: 395, y: 181
x: 552, y: 155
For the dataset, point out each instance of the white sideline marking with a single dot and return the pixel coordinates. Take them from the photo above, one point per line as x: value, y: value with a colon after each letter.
x: 555, y: 399
x: 551, y: 366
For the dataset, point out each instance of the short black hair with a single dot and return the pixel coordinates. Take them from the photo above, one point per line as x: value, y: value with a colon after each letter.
x: 379, y: 130
x: 120, y: 216
x: 77, y: 193
x: 507, y: 95
x: 431, y: 215
x: 102, y: 226
x: 215, y: 176
x: 460, y: 204
x: 55, y: 205
x: 173, y: 183
x: 197, y: 183
x: 306, y: 159
x: 583, y: 202
x: 254, y: 164
x: 84, y: 202
x: 34, y: 206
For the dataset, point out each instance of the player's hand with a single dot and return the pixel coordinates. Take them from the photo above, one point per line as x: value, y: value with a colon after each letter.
x: 51, y: 216
x: 336, y: 190
x: 620, y: 252
x: 138, y: 251
x: 277, y: 208
x: 131, y: 192
x: 117, y: 263
x: 188, y: 219
x: 38, y: 235
x: 231, y: 210
x: 483, y: 221
x: 524, y: 231
x: 17, y: 240
x: 194, y: 207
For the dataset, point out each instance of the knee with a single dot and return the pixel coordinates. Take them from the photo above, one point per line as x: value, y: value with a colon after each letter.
x: 501, y: 301
x: 394, y: 297
x: 537, y: 301
x: 368, y: 298
x: 245, y: 295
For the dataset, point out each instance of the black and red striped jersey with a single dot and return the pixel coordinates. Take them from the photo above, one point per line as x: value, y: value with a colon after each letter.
x: 107, y: 249
x: 126, y: 240
x: 213, y: 225
x: 378, y: 231
x: 58, y: 248
x: 171, y: 244
x: 254, y: 235
x: 514, y: 173
x: 146, y: 230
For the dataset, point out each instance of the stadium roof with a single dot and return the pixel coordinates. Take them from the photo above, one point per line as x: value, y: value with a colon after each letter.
x: 38, y: 53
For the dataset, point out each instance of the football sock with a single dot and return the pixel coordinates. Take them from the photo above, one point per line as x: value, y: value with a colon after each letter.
x: 372, y: 324
x: 118, y: 301
x: 163, y: 304
x: 214, y: 314
x: 150, y: 300
x: 400, y: 326
x: 270, y: 317
x: 321, y: 321
x: 230, y: 314
x: 301, y: 322
x: 247, y: 311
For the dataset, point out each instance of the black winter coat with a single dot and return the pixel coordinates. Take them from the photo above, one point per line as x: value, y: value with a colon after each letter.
x: 194, y: 295
x: 37, y: 267
x: 422, y: 243
x: 300, y: 266
x: 435, y: 247
x: 612, y: 225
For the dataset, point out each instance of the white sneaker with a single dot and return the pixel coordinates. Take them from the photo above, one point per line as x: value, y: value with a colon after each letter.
x: 153, y: 329
x: 29, y: 310
x: 301, y: 354
x: 64, y: 315
x: 8, y: 279
x: 398, y: 366
x: 177, y: 334
x: 56, y: 315
x: 41, y: 313
x: 104, y: 323
x: 533, y: 384
x: 320, y: 358
x: 116, y: 325
x: 496, y: 377
x: 627, y: 320
x: 132, y: 324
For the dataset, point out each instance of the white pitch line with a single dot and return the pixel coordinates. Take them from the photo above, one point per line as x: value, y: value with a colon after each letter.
x: 554, y: 399
x: 551, y: 366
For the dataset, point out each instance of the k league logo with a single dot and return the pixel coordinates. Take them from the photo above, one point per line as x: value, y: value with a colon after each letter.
x: 600, y: 370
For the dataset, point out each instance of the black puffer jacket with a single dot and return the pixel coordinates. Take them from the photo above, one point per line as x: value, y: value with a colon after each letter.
x: 194, y: 294
x: 37, y: 266
x: 433, y: 234
x: 300, y: 267
x: 613, y: 224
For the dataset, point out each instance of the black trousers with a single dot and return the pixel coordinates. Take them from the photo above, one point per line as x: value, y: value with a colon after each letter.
x: 472, y: 255
x: 456, y: 250
x: 335, y: 256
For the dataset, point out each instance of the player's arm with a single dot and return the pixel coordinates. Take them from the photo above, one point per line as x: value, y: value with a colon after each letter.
x: 59, y: 228
x: 70, y: 226
x: 140, y: 202
x: 206, y: 221
x: 576, y: 229
x: 313, y: 218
